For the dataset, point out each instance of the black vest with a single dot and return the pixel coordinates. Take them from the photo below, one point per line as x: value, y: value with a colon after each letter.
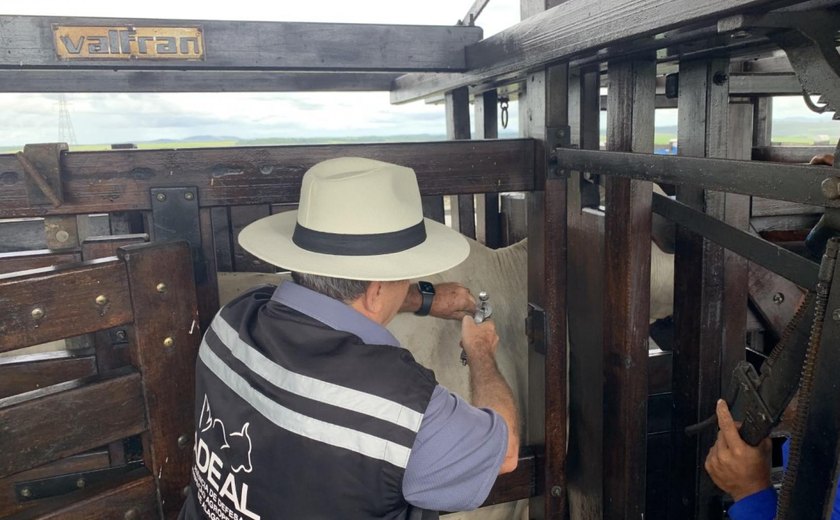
x: 297, y: 420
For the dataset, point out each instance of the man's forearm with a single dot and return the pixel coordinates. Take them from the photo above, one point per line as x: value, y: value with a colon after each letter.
x: 490, y: 390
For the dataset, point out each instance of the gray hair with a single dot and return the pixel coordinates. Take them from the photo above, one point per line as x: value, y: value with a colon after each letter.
x: 337, y: 288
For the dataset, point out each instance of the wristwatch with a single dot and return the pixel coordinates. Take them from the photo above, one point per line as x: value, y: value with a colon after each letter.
x: 427, y: 292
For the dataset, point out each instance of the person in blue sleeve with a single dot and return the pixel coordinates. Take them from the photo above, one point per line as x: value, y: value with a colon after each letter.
x: 743, y: 471
x: 307, y: 407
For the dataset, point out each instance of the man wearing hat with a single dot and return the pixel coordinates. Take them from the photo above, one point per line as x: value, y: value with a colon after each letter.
x: 307, y: 407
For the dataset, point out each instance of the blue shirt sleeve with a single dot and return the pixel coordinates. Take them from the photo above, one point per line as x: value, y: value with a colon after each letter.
x: 758, y: 506
x: 456, y: 455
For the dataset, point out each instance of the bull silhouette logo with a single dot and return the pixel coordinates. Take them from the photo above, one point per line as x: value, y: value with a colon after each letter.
x: 236, y: 446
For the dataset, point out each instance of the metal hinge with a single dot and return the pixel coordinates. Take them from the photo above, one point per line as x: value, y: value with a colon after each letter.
x: 535, y: 328
x: 556, y: 137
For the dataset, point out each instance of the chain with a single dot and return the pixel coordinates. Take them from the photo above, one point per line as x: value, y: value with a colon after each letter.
x: 503, y: 105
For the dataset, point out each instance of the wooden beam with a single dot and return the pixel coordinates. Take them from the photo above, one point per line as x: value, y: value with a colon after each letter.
x: 69, y: 418
x: 29, y: 372
x: 53, y: 303
x: 462, y: 210
x: 571, y: 29
x: 789, y: 154
x: 627, y: 285
x: 34, y: 42
x: 764, y: 84
x: 120, y: 180
x: 517, y: 485
x: 488, y: 220
x: 191, y: 81
x: 11, y: 262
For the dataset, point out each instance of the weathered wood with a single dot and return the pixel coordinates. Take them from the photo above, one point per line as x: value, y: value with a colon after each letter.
x: 128, y: 496
x: 120, y: 180
x: 517, y: 485
x: 167, y: 336
x: 546, y: 104
x: 627, y: 288
x: 764, y: 84
x: 585, y: 287
x: 789, y: 154
x: 67, y: 299
x: 19, y: 261
x: 29, y: 372
x: 191, y: 81
x: 21, y: 234
x: 207, y: 289
x: 9, y: 503
x: 769, y: 207
x: 573, y: 28
x: 61, y: 232
x: 698, y: 287
x: 242, y: 45
x: 433, y: 208
x: 69, y: 418
x: 105, y: 246
x: 222, y: 239
x: 240, y: 217
x: 762, y: 134
x: 660, y: 368
x: 458, y: 127
x: 488, y: 221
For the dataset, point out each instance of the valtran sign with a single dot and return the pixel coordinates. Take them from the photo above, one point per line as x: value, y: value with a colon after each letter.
x: 127, y: 42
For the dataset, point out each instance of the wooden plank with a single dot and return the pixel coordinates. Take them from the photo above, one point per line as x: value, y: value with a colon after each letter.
x: 585, y: 287
x: 789, y: 154
x: 120, y: 180
x: 458, y: 127
x: 627, y: 284
x: 167, y: 336
x: 104, y: 246
x: 774, y: 298
x: 762, y: 122
x: 89, y: 461
x: 698, y: 286
x: 768, y: 207
x: 191, y: 81
x: 660, y: 369
x: 433, y: 208
x: 29, y: 372
x: 222, y: 238
x: 546, y: 103
x: 764, y: 84
x: 21, y: 234
x: 69, y: 418
x: 19, y: 261
x: 67, y: 299
x: 243, y: 45
x: 128, y: 496
x: 488, y: 220
x: 240, y: 217
x: 517, y: 485
x: 572, y: 29
x: 207, y: 289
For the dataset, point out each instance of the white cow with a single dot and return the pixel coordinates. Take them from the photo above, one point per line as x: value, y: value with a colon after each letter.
x: 435, y: 343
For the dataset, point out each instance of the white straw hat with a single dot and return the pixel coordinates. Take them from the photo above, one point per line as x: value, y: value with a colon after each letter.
x: 358, y: 219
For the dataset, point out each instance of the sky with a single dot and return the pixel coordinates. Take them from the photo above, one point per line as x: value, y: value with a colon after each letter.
x: 136, y: 117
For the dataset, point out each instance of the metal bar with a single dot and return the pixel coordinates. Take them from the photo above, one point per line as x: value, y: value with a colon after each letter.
x: 33, y: 42
x: 571, y: 29
x: 768, y: 84
x: 800, y: 270
x: 793, y: 183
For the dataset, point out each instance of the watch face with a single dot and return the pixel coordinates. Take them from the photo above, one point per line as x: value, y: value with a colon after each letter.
x: 426, y: 287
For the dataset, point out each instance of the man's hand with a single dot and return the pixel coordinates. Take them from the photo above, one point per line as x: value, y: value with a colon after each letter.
x: 736, y: 467
x: 479, y: 340
x: 452, y: 301
x: 823, y: 158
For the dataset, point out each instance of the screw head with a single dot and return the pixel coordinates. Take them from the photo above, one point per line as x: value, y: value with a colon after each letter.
x: 62, y: 235
x: 720, y: 77
x: 168, y: 342
x: 121, y: 334
x: 161, y: 197
x: 26, y: 492
x: 556, y: 491
x: 80, y: 483
x: 183, y: 441
x: 37, y: 313
x: 161, y: 287
x: 101, y: 299
x: 778, y: 298
x: 189, y: 195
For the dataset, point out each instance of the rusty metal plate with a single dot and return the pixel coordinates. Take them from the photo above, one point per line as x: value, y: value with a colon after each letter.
x: 128, y: 42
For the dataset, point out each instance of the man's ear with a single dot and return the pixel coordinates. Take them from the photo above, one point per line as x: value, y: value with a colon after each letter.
x: 371, y: 299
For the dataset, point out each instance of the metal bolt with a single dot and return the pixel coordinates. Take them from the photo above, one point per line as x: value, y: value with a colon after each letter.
x: 121, y: 335
x: 720, y: 78
x: 831, y: 188
x: 183, y: 441
x: 161, y: 287
x: 556, y: 491
x: 62, y: 235
x: 161, y: 197
x: 80, y: 483
x: 37, y: 313
x: 189, y: 195
x: 132, y: 514
x: 168, y: 342
x: 778, y: 298
x: 26, y: 492
x: 186, y: 491
x: 101, y: 299
x: 835, y: 315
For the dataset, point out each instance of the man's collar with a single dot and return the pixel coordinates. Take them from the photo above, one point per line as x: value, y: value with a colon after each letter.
x: 333, y: 313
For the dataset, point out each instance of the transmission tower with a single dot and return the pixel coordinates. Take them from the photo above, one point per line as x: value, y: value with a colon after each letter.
x: 66, y: 134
